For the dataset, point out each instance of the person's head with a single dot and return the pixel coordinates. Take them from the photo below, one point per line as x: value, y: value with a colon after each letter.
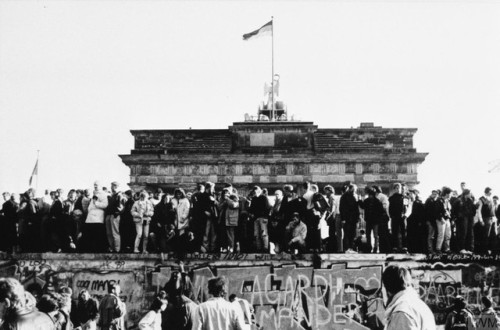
x: 65, y: 290
x: 495, y: 199
x: 217, y: 287
x: 256, y: 191
x: 314, y: 188
x: 128, y: 194
x: 466, y: 193
x: 72, y: 195
x: 12, y: 295
x: 463, y: 186
x: 352, y: 189
x: 84, y: 295
x: 459, y: 303
x: 487, y: 191
x: 143, y: 195
x: 446, y: 192
x: 278, y: 194
x: 413, y: 194
x: 30, y: 193
x: 97, y: 186
x: 306, y: 185
x: 329, y: 190
x: 6, y: 196
x: 200, y: 187
x: 288, y: 190
x: 36, y: 290
x: 295, y: 218
x: 54, y: 195
x: 86, y: 193
x: 159, y: 305
x: 232, y: 297
x: 49, y: 303
x: 65, y: 301
x: 370, y: 191
x: 158, y: 193
x: 114, y: 186
x: 395, y: 279
x: 179, y: 193
x: 210, y: 187
x: 79, y: 193
x: 225, y: 194
x: 434, y: 194
x: 397, y: 188
x: 114, y: 288
x: 486, y: 302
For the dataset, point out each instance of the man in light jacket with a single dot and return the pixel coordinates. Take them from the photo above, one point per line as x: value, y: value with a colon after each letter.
x: 405, y: 310
x: 217, y: 313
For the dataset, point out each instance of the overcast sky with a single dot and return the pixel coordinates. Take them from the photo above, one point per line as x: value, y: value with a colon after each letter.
x: 76, y: 76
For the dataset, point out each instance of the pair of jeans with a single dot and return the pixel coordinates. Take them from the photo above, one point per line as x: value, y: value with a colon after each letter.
x: 261, y: 234
x: 210, y: 235
x: 443, y: 227
x: 113, y: 232
x: 398, y: 227
x: 142, y: 231
x: 372, y: 227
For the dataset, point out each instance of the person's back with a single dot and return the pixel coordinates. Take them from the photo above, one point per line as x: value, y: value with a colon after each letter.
x: 111, y: 310
x: 216, y: 314
x: 405, y: 309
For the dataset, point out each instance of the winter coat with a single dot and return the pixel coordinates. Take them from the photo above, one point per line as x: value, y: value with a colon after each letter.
x: 230, y: 210
x: 97, y: 208
x: 142, y: 211
x: 181, y: 207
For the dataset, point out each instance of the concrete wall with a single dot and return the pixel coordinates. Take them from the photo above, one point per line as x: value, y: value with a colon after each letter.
x: 311, y: 292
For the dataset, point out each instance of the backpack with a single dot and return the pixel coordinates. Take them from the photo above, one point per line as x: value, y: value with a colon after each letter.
x: 460, y: 320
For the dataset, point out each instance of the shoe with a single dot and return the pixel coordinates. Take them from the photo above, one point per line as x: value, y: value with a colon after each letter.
x: 464, y: 251
x: 136, y: 251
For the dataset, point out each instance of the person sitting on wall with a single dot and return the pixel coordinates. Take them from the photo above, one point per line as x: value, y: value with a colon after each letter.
x: 296, y: 233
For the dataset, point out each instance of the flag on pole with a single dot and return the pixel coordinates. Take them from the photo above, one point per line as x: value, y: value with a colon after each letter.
x: 265, y: 30
x: 35, y: 172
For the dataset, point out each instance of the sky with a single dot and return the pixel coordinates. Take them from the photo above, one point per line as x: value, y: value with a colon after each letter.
x: 77, y: 76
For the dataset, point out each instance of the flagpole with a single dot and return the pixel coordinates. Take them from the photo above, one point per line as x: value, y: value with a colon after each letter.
x: 272, y: 67
x: 37, y: 164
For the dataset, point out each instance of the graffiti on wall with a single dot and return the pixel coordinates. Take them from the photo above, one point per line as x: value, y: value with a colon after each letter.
x: 286, y: 295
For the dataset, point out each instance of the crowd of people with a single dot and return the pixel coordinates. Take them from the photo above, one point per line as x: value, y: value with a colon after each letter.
x: 210, y: 221
x: 175, y: 307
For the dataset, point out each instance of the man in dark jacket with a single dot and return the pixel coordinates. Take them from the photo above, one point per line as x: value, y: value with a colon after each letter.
x: 349, y: 213
x: 464, y: 210
x: 374, y: 216
x: 397, y: 211
x: 416, y: 224
x: 8, y: 231
x: 443, y: 221
x: 112, y: 310
x: 259, y: 212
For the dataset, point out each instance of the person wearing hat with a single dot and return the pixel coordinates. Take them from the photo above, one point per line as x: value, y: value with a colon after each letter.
x: 489, y: 319
x: 459, y: 317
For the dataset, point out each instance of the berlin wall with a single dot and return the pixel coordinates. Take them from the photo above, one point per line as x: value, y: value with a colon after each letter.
x: 287, y: 292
